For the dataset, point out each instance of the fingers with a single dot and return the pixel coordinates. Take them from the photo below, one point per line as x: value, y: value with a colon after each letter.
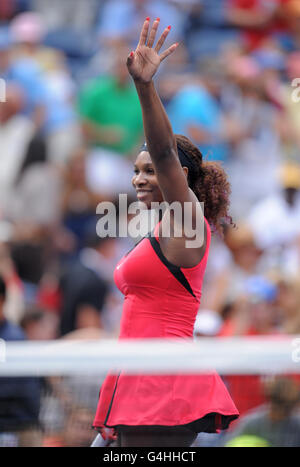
x: 168, y: 52
x: 130, y: 58
x: 144, y: 32
x: 162, y: 39
x: 153, y: 33
x: 151, y: 39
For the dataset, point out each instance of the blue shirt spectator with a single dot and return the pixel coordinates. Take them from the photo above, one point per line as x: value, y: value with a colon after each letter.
x: 37, y: 94
x: 28, y: 75
x: 194, y: 106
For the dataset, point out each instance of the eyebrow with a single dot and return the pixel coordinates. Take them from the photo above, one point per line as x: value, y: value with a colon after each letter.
x: 147, y: 164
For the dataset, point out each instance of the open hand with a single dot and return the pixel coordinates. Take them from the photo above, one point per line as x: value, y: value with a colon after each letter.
x: 144, y: 62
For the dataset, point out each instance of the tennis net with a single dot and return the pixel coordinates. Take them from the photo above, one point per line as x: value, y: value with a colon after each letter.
x: 57, y: 384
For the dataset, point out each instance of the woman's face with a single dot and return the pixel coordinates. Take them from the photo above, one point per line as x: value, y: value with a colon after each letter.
x: 145, y: 181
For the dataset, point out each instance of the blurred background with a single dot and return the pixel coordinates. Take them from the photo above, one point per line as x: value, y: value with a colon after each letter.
x: 69, y: 130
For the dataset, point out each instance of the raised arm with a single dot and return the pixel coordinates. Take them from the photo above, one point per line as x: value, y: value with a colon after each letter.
x: 142, y: 64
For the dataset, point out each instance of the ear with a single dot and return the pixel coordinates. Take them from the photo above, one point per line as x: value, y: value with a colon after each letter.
x: 186, y: 171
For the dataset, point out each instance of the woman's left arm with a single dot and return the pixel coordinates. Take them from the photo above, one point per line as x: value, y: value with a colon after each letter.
x: 142, y: 65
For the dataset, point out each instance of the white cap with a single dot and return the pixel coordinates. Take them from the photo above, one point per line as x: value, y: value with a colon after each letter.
x: 28, y: 27
x: 208, y: 323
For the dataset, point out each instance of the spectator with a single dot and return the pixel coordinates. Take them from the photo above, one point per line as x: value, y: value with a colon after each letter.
x: 277, y: 422
x: 50, y: 113
x: 19, y: 397
x: 39, y: 325
x: 282, y: 210
x: 76, y: 431
x: 28, y: 31
x: 256, y: 154
x: 241, y: 259
x: 16, y: 132
x: 253, y: 312
x: 30, y: 251
x: 109, y: 109
x: 79, y: 201
x: 257, y: 19
x: 288, y: 302
x: 275, y: 222
x: 26, y: 75
x: 14, y: 303
x: 120, y: 20
x: 206, y: 29
x: 112, y: 126
x: 32, y: 201
x: 84, y: 288
x: 64, y: 16
x: 290, y: 12
x: 195, y: 111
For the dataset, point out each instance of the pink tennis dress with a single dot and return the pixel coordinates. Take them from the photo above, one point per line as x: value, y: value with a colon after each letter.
x: 161, y: 301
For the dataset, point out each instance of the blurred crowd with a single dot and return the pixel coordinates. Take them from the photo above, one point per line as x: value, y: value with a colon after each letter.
x: 70, y: 128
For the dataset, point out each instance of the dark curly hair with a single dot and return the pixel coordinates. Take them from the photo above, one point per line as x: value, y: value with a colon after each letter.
x: 209, y: 183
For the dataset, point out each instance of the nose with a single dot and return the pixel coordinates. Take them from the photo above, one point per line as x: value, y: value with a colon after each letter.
x: 139, y: 179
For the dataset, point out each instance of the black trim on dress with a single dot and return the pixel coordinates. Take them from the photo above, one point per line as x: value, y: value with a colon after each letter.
x: 111, y: 402
x: 137, y: 243
x: 174, y: 270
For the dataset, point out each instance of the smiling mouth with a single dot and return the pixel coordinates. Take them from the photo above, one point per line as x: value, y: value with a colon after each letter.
x: 143, y: 192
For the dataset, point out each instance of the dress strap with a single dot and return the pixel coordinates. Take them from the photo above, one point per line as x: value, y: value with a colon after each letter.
x: 174, y: 270
x: 156, y: 231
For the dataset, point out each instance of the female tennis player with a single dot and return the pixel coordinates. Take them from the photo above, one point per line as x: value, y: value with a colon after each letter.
x: 161, y: 279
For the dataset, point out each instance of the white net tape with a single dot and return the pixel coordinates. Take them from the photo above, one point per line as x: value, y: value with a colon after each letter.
x: 254, y: 355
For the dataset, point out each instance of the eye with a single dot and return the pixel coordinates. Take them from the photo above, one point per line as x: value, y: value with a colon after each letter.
x: 150, y: 171
x: 135, y: 171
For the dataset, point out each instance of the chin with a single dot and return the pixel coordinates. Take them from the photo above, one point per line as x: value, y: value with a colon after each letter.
x: 146, y: 205
x: 149, y: 198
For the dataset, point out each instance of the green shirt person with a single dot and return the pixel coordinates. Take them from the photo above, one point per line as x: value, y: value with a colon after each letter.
x: 111, y: 114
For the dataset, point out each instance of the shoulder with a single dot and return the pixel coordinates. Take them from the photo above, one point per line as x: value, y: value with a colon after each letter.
x: 252, y: 419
